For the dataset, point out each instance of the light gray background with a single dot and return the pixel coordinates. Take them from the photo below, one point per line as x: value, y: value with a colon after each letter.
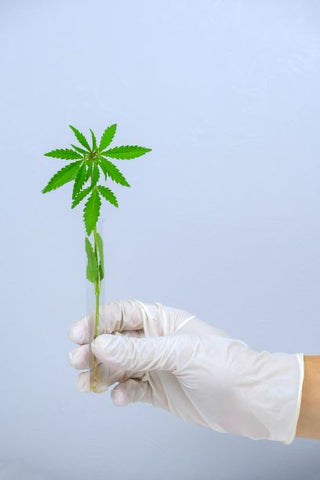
x: 222, y: 218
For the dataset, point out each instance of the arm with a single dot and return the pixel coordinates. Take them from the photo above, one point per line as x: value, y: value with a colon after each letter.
x: 309, y: 418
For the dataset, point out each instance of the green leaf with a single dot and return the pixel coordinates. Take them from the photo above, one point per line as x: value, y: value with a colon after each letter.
x: 62, y: 176
x: 95, y: 174
x: 101, y: 258
x: 81, y: 195
x: 94, y: 140
x: 125, y: 152
x: 65, y: 153
x: 79, y: 180
x: 89, y: 170
x: 80, y: 150
x: 107, y: 136
x: 114, y: 173
x: 80, y: 137
x: 92, y: 266
x: 108, y: 195
x: 92, y: 211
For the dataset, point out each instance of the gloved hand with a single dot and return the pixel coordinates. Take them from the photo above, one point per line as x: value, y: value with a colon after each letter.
x: 173, y: 360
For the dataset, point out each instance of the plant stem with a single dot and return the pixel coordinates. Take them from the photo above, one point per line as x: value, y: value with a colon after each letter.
x: 96, y: 322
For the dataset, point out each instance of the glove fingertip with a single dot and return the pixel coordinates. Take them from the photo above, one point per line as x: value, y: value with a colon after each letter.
x: 119, y: 397
x: 83, y: 383
x: 79, y: 331
x: 104, y: 346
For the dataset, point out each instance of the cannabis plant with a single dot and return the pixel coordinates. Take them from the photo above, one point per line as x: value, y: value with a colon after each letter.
x: 85, y: 165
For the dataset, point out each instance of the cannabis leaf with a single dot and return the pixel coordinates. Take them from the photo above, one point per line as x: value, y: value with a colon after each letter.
x: 79, y: 179
x: 89, y: 170
x: 94, y: 140
x: 92, y: 211
x: 107, y: 137
x: 81, y: 195
x: 86, y: 165
x: 101, y: 259
x: 65, y: 153
x: 80, y: 150
x: 109, y: 169
x: 81, y: 138
x: 92, y: 265
x: 108, y: 195
x: 63, y: 176
x: 125, y: 152
x: 95, y: 174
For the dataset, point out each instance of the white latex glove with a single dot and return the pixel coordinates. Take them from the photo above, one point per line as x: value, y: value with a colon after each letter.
x: 173, y: 360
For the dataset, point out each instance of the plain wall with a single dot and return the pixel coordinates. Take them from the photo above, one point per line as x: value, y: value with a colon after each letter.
x: 222, y: 218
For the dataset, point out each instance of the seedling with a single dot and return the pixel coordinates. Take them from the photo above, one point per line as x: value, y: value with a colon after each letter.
x: 85, y: 164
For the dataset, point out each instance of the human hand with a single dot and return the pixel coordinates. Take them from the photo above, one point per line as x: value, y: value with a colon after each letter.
x: 173, y: 360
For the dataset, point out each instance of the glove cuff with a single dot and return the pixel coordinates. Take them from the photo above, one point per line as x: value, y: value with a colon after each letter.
x: 300, y: 360
x: 270, y: 390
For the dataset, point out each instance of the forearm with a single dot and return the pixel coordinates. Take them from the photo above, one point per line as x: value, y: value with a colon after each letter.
x: 309, y: 418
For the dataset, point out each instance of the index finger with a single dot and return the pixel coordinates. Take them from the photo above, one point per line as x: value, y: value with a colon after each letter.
x: 115, y: 316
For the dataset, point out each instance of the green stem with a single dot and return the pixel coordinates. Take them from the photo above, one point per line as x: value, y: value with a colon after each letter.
x: 97, y: 285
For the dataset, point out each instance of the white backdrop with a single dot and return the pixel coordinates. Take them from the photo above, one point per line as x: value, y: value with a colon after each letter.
x: 222, y: 218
